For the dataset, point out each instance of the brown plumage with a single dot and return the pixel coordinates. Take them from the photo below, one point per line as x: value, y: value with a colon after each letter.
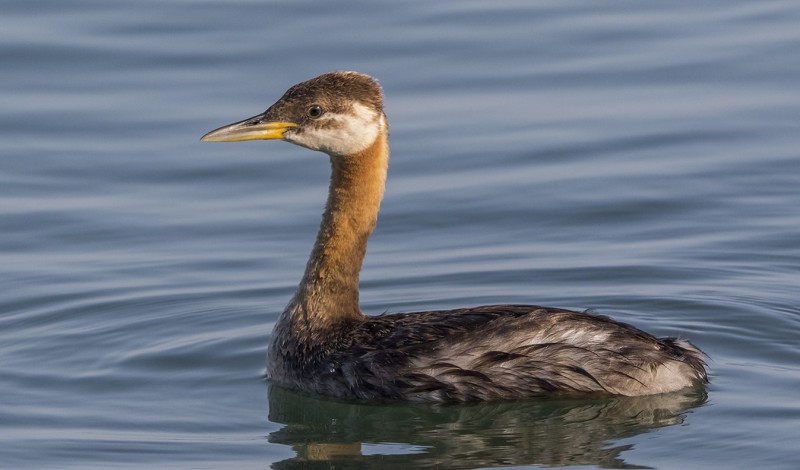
x: 323, y: 343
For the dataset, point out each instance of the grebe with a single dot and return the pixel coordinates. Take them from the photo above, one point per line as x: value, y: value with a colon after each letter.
x: 323, y: 343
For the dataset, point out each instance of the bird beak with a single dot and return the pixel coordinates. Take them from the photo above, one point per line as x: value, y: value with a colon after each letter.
x: 254, y: 128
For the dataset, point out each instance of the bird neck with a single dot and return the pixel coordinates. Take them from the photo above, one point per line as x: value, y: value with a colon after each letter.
x: 329, y: 289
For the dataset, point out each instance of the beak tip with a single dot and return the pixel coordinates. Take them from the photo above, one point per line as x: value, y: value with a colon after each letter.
x: 213, y: 136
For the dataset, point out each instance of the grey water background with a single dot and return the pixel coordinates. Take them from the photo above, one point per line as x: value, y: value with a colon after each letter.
x: 641, y: 159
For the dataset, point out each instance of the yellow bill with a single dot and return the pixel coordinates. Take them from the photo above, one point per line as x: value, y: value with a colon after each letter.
x: 249, y: 129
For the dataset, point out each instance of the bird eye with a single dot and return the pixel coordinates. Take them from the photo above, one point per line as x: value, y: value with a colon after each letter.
x: 315, y: 111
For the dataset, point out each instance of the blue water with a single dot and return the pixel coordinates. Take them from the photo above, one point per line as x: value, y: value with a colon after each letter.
x: 636, y: 158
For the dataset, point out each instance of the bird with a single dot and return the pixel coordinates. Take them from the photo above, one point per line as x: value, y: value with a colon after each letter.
x: 323, y: 344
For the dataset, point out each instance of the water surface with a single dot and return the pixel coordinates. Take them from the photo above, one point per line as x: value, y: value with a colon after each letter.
x: 638, y: 159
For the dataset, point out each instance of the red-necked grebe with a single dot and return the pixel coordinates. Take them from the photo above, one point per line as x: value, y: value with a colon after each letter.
x: 323, y: 343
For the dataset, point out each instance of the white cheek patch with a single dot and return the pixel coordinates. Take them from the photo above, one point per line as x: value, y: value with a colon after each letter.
x: 348, y: 133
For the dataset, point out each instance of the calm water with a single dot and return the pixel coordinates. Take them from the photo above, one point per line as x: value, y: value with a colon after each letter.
x: 637, y: 158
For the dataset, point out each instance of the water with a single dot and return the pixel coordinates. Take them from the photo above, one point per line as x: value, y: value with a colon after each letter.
x: 637, y: 158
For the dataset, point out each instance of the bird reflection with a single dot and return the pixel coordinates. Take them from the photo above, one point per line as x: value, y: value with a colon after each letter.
x: 327, y: 434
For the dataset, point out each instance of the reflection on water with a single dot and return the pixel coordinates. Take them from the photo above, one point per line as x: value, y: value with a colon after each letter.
x: 330, y: 434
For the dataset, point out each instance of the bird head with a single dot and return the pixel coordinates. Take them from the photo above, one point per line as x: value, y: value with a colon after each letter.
x: 339, y: 113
